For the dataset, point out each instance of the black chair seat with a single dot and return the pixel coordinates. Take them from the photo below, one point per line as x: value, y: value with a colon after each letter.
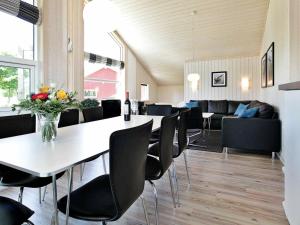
x: 154, y: 150
x: 97, y: 191
x: 194, y: 134
x: 153, y: 168
x: 17, y: 178
x: 13, y: 213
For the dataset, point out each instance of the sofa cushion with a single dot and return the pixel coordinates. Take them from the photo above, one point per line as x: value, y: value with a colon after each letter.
x: 248, y: 113
x: 241, y: 108
x: 233, y: 105
x: 265, y: 110
x: 202, y: 103
x: 191, y: 105
x: 218, y: 106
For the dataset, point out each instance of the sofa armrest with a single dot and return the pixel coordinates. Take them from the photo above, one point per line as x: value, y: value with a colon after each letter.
x: 251, y: 133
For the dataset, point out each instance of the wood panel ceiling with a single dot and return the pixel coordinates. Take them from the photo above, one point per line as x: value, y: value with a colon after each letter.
x: 160, y: 32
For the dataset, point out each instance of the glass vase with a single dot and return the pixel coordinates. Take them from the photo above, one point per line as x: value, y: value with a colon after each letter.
x: 47, y: 126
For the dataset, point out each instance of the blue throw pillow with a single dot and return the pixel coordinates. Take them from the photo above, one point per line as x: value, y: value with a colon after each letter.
x: 192, y: 105
x: 248, y: 113
x: 241, y: 108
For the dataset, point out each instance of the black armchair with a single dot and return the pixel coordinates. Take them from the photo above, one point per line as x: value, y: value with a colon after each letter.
x: 107, y: 197
x: 159, y: 110
x: 251, y: 134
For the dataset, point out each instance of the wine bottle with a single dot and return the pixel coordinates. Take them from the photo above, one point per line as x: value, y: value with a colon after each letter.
x: 127, y: 108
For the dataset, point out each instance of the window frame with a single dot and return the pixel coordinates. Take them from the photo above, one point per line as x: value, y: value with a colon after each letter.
x: 23, y: 64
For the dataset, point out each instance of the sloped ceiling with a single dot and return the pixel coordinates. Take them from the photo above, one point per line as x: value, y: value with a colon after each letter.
x: 160, y: 32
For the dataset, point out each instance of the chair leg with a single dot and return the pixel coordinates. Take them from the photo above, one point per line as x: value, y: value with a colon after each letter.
x: 104, y: 223
x: 145, y: 210
x: 176, y: 182
x: 186, y: 167
x: 104, y: 164
x: 273, y: 155
x: 172, y: 188
x: 20, y: 199
x: 156, y: 201
x: 40, y: 195
x: 82, y: 165
x: 45, y: 191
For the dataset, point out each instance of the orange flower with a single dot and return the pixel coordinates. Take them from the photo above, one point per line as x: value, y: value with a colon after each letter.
x: 61, y: 95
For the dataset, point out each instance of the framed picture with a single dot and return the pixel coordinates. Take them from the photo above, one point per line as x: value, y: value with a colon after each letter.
x: 219, y: 79
x: 264, y: 71
x: 270, y: 66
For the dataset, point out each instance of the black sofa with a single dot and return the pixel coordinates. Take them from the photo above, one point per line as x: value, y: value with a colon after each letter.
x: 262, y: 133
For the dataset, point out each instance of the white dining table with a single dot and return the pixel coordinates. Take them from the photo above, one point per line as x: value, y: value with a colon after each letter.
x: 73, y: 145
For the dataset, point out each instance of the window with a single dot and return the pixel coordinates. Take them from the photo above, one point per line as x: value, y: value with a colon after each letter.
x: 17, y: 65
x: 101, y: 81
x: 144, y: 92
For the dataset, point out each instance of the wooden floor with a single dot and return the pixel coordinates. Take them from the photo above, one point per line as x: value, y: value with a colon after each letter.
x: 240, y: 189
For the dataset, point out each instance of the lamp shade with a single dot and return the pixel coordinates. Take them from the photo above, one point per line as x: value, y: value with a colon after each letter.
x: 102, y: 13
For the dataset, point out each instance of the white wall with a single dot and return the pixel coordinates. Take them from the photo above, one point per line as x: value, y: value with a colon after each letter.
x: 282, y: 27
x: 136, y: 75
x: 236, y: 68
x: 172, y: 94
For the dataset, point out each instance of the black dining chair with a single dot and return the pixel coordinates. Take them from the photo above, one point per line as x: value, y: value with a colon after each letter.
x: 158, y: 110
x: 111, y: 108
x: 10, y: 177
x: 107, y: 197
x: 14, y: 213
x: 179, y: 146
x: 156, y: 167
x: 195, y: 127
x: 69, y: 118
x: 92, y: 114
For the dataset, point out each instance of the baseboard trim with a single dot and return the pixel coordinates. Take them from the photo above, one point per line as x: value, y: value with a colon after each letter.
x: 278, y: 154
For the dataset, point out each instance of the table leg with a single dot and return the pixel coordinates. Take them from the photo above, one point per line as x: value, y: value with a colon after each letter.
x: 204, y: 126
x: 209, y: 122
x: 55, y: 213
x: 70, y: 185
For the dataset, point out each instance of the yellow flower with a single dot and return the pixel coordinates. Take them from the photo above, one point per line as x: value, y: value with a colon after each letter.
x: 61, y: 95
x: 44, y: 89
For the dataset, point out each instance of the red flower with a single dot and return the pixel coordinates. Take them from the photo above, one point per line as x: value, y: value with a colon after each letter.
x: 41, y: 96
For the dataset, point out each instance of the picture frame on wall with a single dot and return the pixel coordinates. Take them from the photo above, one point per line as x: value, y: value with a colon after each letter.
x: 219, y: 79
x: 270, y: 65
x: 264, y: 71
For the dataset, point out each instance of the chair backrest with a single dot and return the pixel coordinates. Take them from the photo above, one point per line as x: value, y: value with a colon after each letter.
x: 195, y: 119
x: 127, y: 159
x: 92, y: 114
x: 17, y: 125
x: 69, y: 118
x: 159, y: 110
x: 111, y: 108
x: 166, y: 137
x: 182, y: 131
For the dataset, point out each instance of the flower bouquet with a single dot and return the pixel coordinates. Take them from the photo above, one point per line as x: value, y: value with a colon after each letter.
x: 47, y: 105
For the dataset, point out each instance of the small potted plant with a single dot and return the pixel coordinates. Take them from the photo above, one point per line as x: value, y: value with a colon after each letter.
x: 47, y: 105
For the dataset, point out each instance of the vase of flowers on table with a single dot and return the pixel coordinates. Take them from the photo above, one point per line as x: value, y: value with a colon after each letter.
x: 47, y: 105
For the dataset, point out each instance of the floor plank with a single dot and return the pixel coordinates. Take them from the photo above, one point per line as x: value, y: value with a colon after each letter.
x: 237, y: 189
